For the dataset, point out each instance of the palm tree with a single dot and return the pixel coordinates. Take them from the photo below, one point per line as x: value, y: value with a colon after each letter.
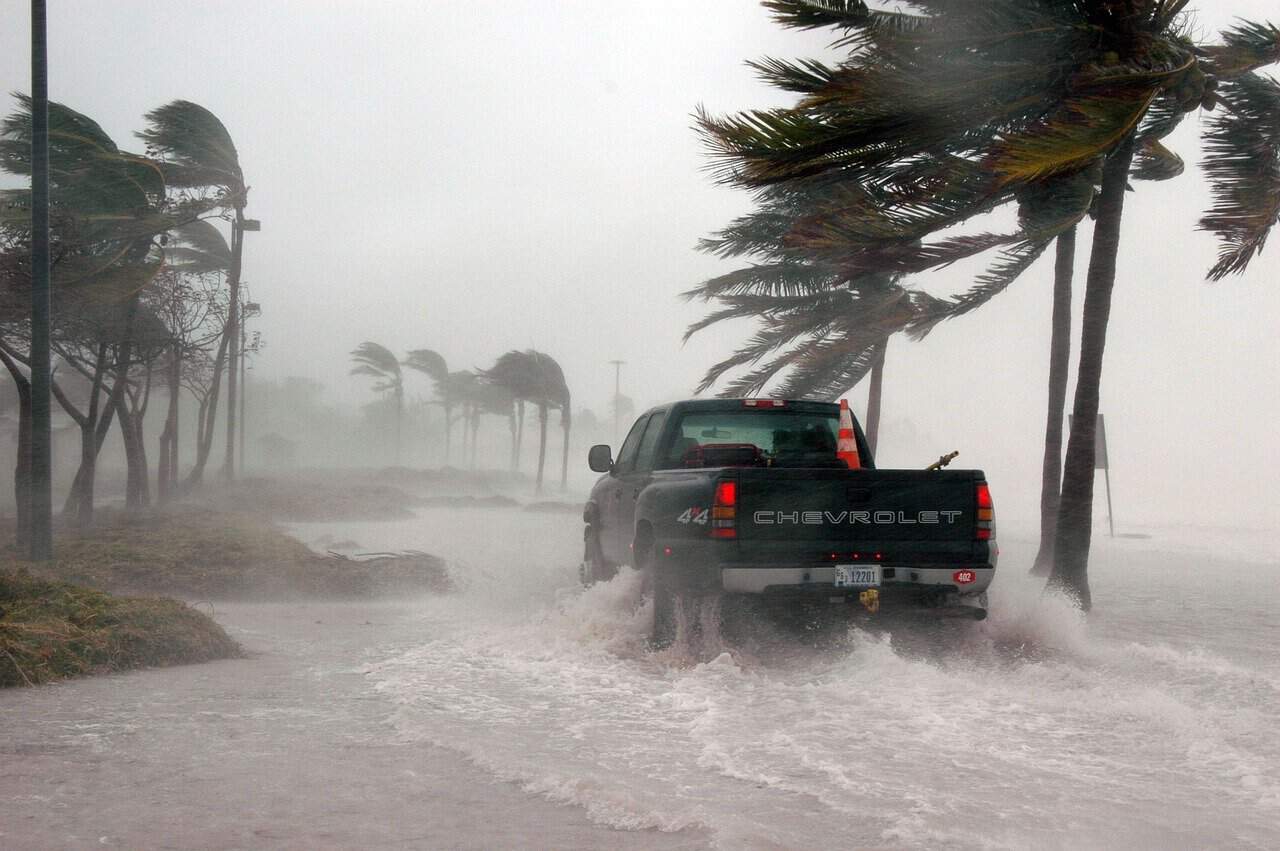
x: 433, y: 365
x: 534, y: 377
x: 836, y: 324
x: 109, y: 208
x: 198, y: 153
x: 378, y: 362
x: 940, y: 116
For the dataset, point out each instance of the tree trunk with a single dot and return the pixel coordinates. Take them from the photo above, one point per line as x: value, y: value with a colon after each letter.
x: 542, y: 444
x: 1075, y: 509
x: 511, y: 419
x: 209, y: 415
x: 22, y: 465
x: 1059, y: 366
x: 566, y: 421
x: 168, y: 461
x: 519, y: 434
x: 448, y: 434
x: 874, y: 396
x: 232, y: 335
x: 399, y: 421
x: 475, y: 434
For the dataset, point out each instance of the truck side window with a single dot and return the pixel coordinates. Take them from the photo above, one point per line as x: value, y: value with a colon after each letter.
x: 649, y: 443
x: 627, y: 454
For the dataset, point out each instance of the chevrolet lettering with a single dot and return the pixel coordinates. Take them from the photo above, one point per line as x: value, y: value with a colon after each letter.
x: 818, y: 518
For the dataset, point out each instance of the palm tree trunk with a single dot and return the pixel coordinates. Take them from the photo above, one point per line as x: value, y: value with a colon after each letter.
x: 874, y: 396
x: 448, y: 434
x: 399, y: 421
x: 1059, y: 366
x: 566, y: 422
x: 542, y: 444
x: 1075, y: 509
x: 167, y: 464
x: 519, y: 433
x: 475, y: 432
x: 209, y: 408
x: 511, y: 418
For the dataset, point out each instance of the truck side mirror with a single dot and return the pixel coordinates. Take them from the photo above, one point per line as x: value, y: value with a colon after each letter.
x: 600, y: 458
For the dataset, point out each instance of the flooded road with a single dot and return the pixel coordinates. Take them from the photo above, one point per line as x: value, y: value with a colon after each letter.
x: 1155, y: 724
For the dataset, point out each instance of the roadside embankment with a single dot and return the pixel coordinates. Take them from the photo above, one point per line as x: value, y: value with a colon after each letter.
x: 199, y: 554
x: 53, y: 630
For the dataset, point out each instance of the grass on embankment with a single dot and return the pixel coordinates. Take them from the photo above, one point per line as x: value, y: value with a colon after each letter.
x: 199, y: 554
x: 52, y: 630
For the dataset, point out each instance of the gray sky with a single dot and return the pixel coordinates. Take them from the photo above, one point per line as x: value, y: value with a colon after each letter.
x: 484, y: 176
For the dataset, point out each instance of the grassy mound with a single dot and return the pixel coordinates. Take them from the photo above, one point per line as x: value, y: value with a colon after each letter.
x: 52, y: 630
x: 202, y: 555
x: 311, y: 499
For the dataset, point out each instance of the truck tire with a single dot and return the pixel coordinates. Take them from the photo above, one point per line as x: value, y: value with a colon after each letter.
x: 595, y: 567
x: 662, y: 586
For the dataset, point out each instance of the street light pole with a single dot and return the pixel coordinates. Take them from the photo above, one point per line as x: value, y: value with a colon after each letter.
x: 249, y: 310
x: 239, y: 226
x: 41, y: 464
x: 617, y: 393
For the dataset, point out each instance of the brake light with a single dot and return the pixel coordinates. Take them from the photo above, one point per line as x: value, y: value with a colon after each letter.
x: 724, y: 511
x: 985, y: 528
x: 763, y: 403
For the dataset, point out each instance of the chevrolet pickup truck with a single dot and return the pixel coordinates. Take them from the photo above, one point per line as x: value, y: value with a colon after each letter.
x: 756, y: 497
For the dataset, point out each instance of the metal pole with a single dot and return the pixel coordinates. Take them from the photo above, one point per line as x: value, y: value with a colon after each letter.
x: 244, y: 385
x: 40, y: 494
x: 617, y: 393
x: 1111, y: 515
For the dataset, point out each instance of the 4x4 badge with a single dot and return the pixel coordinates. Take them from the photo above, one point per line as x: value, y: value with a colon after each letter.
x: 695, y: 515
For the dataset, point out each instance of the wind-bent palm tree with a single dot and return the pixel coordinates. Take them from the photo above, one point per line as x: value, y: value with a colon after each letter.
x: 433, y: 365
x: 197, y: 152
x: 109, y: 206
x: 534, y: 377
x: 378, y: 362
x: 939, y: 116
x: 824, y: 328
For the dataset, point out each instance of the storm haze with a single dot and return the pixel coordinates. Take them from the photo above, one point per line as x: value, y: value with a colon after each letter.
x: 491, y: 176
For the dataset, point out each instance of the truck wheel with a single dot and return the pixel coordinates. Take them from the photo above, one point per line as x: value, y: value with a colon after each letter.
x: 595, y: 568
x: 663, y: 631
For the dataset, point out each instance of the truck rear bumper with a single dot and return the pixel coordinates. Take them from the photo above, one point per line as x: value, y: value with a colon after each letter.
x: 758, y: 580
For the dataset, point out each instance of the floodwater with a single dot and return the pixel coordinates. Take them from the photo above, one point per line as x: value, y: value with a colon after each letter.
x: 523, y: 711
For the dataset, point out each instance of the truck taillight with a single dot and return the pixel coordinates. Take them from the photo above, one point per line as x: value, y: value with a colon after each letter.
x: 985, y: 529
x: 764, y: 403
x: 724, y: 510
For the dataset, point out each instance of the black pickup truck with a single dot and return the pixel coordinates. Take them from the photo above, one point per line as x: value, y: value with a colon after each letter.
x: 752, y: 496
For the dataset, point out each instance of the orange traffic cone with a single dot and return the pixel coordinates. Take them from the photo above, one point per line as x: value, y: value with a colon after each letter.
x: 846, y: 445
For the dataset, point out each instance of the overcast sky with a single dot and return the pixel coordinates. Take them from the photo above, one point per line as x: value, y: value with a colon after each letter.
x: 474, y: 177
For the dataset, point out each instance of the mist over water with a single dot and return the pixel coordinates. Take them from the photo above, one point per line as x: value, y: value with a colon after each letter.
x: 1152, y: 724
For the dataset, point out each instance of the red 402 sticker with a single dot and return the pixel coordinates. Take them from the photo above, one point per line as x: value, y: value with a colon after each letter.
x: 964, y: 577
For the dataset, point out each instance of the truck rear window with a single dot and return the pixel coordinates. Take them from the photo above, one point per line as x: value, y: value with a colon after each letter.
x: 753, y: 439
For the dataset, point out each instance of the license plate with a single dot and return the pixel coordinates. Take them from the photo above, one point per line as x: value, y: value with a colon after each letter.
x: 857, y: 576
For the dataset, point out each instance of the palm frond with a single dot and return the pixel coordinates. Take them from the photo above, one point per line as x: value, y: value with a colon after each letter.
x: 375, y: 359
x: 197, y: 149
x: 429, y: 362
x: 1242, y: 162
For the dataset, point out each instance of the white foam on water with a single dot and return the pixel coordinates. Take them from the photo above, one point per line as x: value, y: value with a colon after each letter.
x: 1037, y: 727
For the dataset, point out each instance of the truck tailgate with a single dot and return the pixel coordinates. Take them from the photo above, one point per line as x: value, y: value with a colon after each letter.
x: 892, y: 516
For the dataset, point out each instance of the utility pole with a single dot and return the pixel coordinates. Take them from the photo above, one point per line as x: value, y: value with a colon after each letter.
x: 249, y: 310
x: 239, y: 226
x: 617, y: 393
x: 40, y: 493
